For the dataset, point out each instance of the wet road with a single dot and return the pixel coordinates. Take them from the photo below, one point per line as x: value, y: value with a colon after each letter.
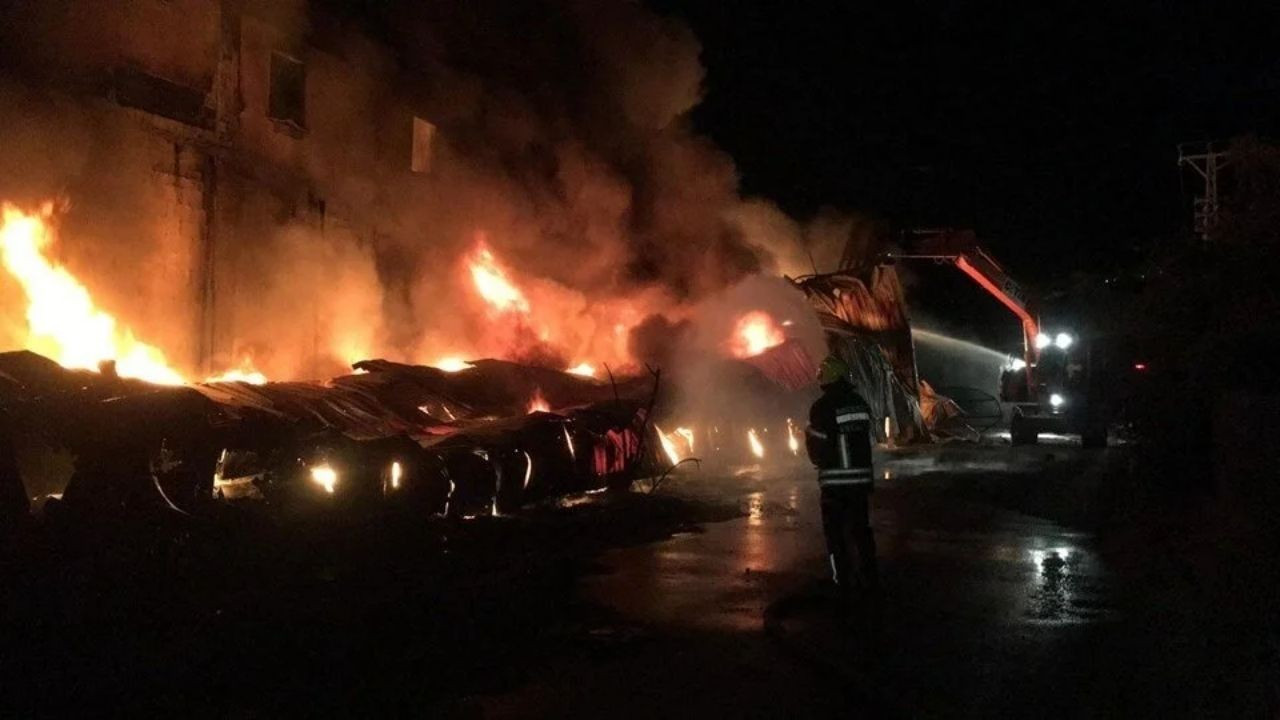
x: 986, y: 610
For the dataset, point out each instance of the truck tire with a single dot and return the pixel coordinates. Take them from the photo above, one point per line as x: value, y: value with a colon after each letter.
x: 1021, y: 432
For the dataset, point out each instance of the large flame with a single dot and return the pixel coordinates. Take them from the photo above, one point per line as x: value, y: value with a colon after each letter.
x: 754, y: 333
x: 492, y: 283
x: 62, y: 321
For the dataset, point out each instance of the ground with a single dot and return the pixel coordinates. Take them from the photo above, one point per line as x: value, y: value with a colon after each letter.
x: 1011, y: 587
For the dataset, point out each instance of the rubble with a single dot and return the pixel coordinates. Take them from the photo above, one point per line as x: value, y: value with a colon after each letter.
x: 457, y: 443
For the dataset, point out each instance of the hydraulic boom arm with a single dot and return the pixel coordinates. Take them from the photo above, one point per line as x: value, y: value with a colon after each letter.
x: 962, y: 250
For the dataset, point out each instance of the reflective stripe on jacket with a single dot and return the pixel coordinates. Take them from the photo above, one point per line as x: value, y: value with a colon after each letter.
x: 840, y: 407
x: 840, y: 476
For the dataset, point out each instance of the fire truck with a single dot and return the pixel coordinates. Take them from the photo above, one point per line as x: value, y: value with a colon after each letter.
x: 1057, y: 384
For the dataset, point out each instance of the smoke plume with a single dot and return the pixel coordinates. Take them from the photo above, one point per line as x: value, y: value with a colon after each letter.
x: 559, y: 134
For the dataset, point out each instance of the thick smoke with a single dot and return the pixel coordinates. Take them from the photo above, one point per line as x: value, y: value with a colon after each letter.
x: 561, y: 137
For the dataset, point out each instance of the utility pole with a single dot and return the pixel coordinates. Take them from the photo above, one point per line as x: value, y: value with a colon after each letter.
x: 1207, y: 159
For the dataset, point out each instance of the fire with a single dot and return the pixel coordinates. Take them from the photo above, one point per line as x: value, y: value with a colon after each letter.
x: 537, y: 403
x: 492, y: 283
x: 754, y: 333
x: 325, y: 476
x: 687, y: 434
x: 757, y: 448
x: 793, y: 442
x: 668, y: 445
x: 245, y: 374
x: 62, y: 320
x: 450, y: 364
x: 583, y: 369
x: 677, y: 444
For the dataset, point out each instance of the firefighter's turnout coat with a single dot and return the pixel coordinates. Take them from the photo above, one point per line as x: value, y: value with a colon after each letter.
x: 841, y: 461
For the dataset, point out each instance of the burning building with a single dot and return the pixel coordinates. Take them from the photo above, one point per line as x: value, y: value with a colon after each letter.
x: 225, y: 191
x: 287, y: 187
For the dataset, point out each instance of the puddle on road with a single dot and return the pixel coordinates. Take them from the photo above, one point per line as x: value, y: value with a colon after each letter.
x: 757, y: 508
x: 1063, y: 590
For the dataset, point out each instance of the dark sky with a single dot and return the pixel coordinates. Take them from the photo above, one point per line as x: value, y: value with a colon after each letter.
x: 1050, y: 128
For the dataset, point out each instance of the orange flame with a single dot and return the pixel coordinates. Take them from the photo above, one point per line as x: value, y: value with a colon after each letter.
x: 668, y: 445
x: 62, y: 320
x: 245, y: 374
x: 583, y: 369
x: 450, y: 364
x: 793, y: 442
x: 687, y: 434
x: 537, y: 403
x: 754, y: 333
x: 492, y: 283
x: 757, y: 448
x: 677, y: 444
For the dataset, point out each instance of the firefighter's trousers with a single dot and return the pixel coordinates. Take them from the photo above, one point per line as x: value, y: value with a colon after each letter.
x: 846, y: 524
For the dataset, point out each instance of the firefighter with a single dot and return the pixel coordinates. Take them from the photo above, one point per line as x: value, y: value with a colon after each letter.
x: 838, y: 440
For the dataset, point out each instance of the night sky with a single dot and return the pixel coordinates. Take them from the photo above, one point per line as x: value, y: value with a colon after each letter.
x: 1050, y: 128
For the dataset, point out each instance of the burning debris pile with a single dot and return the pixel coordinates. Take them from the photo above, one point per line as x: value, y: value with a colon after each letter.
x: 863, y: 315
x: 461, y: 443
x: 272, y: 193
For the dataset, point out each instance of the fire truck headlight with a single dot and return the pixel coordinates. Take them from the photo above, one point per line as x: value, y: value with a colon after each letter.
x: 1043, y: 341
x: 1057, y: 400
x: 1063, y: 341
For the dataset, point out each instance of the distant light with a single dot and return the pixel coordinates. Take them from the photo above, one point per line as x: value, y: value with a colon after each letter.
x: 1140, y: 367
x: 1063, y: 341
x: 1043, y: 341
x: 396, y: 472
x: 1057, y: 400
x: 1017, y: 364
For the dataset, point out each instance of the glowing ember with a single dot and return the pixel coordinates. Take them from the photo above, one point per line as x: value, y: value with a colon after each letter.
x: 668, y: 445
x: 325, y: 476
x: 537, y: 403
x: 754, y: 333
x: 493, y: 285
x: 62, y: 320
x: 583, y: 369
x: 793, y: 441
x: 245, y: 373
x: 451, y: 364
x: 757, y: 448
